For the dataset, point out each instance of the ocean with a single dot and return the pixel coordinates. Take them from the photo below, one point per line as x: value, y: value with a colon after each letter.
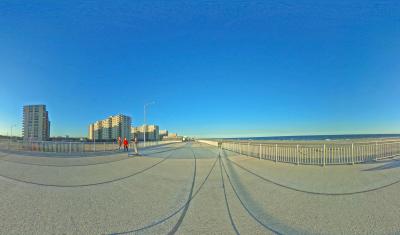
x: 321, y: 137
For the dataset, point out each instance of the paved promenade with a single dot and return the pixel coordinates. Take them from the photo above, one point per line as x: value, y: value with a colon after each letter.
x: 192, y: 188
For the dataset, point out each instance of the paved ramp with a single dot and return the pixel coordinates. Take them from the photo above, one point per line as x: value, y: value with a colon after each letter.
x: 192, y: 188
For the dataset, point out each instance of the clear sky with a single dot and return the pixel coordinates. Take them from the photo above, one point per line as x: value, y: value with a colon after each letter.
x: 214, y: 68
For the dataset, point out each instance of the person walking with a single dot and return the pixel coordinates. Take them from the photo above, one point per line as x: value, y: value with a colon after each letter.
x: 135, y: 146
x: 126, y: 143
x: 119, y: 142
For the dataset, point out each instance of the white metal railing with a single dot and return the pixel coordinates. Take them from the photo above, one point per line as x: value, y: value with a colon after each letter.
x: 70, y: 147
x: 316, y: 153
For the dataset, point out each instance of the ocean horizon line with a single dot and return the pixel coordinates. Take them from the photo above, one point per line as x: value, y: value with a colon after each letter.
x: 315, y: 137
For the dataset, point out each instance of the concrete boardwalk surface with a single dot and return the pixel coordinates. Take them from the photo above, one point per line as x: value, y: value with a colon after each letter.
x: 193, y: 188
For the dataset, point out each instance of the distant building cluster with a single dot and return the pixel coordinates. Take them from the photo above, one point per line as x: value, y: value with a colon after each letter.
x: 36, y: 127
x: 120, y: 125
x: 36, y: 124
x: 111, y: 128
x: 172, y: 136
x: 151, y: 132
x: 163, y: 133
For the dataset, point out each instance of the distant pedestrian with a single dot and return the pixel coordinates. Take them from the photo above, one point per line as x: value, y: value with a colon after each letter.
x: 135, y: 146
x: 119, y: 143
x: 126, y: 143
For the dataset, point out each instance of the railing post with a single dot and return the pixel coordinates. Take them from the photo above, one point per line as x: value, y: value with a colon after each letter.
x: 352, y: 153
x: 397, y: 148
x: 376, y: 151
x: 297, y: 154
x: 276, y: 152
x: 324, y: 154
x: 70, y: 147
x: 259, y: 153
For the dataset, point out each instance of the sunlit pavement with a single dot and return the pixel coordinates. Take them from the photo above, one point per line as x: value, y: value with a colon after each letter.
x: 192, y: 188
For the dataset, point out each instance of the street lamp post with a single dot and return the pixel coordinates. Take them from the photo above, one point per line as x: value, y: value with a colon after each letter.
x: 11, y: 135
x: 94, y: 141
x: 144, y: 126
x: 8, y: 145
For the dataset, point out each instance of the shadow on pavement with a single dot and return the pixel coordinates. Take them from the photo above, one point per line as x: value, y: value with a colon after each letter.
x: 390, y: 165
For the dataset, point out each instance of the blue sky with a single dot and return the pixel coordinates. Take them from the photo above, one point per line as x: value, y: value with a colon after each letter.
x: 214, y: 68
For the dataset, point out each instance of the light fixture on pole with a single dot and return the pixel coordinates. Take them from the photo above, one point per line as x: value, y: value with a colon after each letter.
x: 144, y: 126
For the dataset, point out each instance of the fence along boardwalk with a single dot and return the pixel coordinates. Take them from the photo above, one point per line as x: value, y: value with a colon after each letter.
x: 316, y: 153
x: 70, y: 147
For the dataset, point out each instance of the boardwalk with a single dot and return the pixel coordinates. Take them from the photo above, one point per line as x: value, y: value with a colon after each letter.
x: 192, y: 188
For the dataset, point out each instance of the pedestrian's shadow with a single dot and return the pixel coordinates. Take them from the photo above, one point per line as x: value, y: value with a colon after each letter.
x: 394, y: 163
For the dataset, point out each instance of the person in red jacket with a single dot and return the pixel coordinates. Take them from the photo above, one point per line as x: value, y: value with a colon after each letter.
x: 126, y: 145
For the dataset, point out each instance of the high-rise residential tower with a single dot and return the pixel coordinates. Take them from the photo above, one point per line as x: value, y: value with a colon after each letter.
x: 36, y: 124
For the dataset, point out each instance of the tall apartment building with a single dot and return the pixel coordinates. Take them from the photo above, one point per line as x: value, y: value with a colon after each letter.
x: 36, y: 124
x: 111, y: 128
x: 152, y: 132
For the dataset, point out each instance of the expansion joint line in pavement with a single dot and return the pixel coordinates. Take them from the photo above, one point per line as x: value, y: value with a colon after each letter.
x: 168, y: 150
x: 226, y: 199
x: 87, y: 185
x: 175, y: 212
x: 311, y: 192
x: 164, y: 151
x: 73, y: 165
x: 244, y: 205
x: 180, y: 220
x: 5, y: 155
x: 81, y: 155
